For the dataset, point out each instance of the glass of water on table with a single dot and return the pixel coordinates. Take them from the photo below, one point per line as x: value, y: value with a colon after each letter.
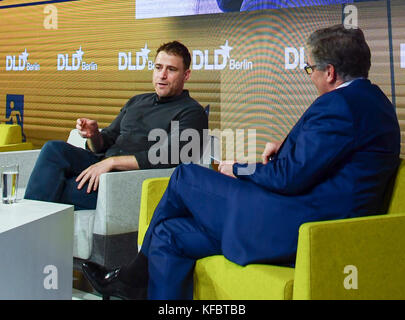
x: 9, y: 183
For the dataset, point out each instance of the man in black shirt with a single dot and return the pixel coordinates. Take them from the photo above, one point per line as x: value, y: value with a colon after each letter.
x: 67, y: 174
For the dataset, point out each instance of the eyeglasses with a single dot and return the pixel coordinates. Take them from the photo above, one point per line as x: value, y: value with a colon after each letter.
x: 309, y: 69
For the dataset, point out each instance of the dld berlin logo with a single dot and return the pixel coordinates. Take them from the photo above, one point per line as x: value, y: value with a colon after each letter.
x: 222, y: 59
x: 20, y: 63
x: 137, y: 62
x: 75, y: 62
x: 219, y: 59
x: 294, y: 58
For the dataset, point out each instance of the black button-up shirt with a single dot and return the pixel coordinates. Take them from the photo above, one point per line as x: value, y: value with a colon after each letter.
x: 128, y: 133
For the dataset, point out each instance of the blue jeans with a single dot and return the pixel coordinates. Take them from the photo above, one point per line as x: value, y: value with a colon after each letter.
x: 54, y: 174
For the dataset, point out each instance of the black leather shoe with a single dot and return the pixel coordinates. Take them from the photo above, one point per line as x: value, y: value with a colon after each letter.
x: 107, y: 283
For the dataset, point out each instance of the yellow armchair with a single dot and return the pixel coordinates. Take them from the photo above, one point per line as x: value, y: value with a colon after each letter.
x: 358, y: 258
x: 11, y: 138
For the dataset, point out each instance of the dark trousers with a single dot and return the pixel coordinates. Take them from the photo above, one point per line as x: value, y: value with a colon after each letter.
x: 54, y: 174
x: 185, y: 227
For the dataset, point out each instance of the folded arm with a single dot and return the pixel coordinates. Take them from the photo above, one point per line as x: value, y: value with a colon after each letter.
x: 325, y: 138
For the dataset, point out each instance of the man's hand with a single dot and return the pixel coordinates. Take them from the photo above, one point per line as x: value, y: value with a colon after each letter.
x: 87, y: 128
x: 225, y: 167
x: 92, y: 174
x: 270, y: 150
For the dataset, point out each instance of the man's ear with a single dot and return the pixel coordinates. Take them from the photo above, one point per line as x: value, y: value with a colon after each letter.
x: 331, y: 75
x: 187, y: 74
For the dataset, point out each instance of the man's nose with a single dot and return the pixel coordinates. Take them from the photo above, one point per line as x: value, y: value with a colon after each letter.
x: 163, y: 73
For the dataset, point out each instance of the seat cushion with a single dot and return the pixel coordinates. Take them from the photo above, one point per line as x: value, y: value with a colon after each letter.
x: 16, y: 147
x: 216, y: 277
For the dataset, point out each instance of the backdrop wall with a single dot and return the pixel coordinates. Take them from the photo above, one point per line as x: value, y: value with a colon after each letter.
x: 60, y: 60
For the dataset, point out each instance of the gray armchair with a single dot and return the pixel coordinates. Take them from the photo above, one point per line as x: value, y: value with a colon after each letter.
x: 108, y: 234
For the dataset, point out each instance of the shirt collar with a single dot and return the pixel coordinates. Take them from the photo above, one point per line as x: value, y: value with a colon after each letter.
x: 184, y: 94
x: 347, y: 83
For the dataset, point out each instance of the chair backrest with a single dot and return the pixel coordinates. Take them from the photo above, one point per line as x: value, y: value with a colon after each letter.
x: 76, y: 140
x: 10, y: 134
x: 397, y: 203
x: 207, y: 110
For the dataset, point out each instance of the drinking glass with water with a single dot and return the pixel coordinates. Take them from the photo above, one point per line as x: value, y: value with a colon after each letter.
x: 9, y: 183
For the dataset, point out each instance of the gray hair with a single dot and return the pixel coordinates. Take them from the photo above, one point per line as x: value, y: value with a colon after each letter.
x: 345, y: 49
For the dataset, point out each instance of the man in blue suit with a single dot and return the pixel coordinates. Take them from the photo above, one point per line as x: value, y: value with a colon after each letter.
x: 337, y: 162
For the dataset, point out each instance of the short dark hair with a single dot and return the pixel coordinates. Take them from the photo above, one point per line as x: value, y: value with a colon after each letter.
x: 345, y: 49
x: 178, y: 49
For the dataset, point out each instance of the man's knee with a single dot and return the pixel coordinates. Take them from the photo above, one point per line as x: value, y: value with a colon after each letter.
x: 184, y: 171
x: 56, y: 149
x: 53, y: 146
x: 181, y: 176
x: 178, y: 173
x: 180, y: 168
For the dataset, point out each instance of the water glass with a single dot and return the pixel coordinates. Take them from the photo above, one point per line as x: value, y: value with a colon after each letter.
x: 9, y: 183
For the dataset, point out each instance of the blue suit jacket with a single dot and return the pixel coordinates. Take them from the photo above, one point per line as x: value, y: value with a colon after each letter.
x: 336, y: 162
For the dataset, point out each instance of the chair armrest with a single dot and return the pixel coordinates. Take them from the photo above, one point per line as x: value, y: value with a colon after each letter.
x: 118, y: 200
x: 26, y: 161
x: 152, y: 191
x: 335, y: 256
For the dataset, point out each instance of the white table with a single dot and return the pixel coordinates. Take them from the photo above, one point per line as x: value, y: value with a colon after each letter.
x: 36, y: 250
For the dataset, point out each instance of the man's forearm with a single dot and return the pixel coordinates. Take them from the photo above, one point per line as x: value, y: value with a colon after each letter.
x: 96, y: 143
x: 123, y: 163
